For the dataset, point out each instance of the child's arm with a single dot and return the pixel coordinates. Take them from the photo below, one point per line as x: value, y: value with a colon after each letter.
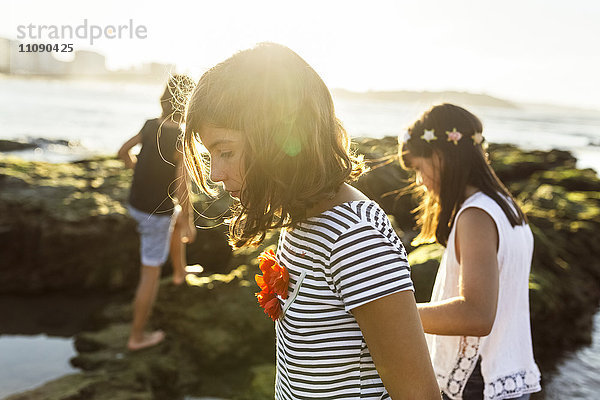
x: 394, y: 335
x: 472, y: 313
x: 124, y: 152
x: 186, y: 217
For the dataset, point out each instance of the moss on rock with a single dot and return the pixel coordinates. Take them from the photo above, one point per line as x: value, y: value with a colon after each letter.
x: 219, y: 343
x: 67, y: 228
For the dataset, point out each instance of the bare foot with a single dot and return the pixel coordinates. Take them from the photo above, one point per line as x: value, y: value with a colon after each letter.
x: 178, y: 279
x: 150, y: 339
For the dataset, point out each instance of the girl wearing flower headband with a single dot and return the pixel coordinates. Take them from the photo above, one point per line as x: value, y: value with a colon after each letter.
x: 478, y: 317
x: 346, y: 324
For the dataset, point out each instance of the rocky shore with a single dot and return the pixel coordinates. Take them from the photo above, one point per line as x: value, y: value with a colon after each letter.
x: 66, y: 228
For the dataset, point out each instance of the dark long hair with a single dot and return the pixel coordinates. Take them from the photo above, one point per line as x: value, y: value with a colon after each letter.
x: 463, y: 163
x: 296, y: 152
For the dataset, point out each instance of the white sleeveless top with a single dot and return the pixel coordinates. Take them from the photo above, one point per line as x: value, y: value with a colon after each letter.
x: 507, y: 363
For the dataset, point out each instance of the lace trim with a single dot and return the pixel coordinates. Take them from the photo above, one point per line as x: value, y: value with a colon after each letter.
x: 519, y: 383
x: 465, y: 363
x: 514, y: 385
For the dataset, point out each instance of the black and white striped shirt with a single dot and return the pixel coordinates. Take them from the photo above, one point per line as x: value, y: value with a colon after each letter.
x: 341, y: 259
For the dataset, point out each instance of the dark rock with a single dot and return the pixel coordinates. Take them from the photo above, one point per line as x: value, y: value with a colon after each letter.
x: 570, y: 179
x: 386, y: 180
x: 44, y: 142
x: 424, y: 261
x: 18, y: 145
x: 513, y: 164
x: 66, y: 227
x: 219, y: 343
x: 15, y: 145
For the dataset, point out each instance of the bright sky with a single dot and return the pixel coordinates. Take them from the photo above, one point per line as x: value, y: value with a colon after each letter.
x: 525, y: 50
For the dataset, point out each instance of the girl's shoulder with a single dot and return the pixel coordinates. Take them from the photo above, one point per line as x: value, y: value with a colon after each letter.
x: 351, y: 213
x: 152, y: 122
x: 492, y: 208
x: 359, y: 221
x: 485, y: 202
x: 475, y: 198
x: 355, y: 218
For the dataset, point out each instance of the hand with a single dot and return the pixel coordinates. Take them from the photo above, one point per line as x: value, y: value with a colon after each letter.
x: 187, y: 228
x: 124, y: 154
x: 188, y: 235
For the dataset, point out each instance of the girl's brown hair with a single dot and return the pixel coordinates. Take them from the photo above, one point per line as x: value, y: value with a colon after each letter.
x: 464, y: 163
x: 296, y: 151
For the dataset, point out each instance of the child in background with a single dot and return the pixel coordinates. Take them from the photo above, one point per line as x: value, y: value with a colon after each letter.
x: 164, y: 225
x: 349, y: 326
x: 479, y: 311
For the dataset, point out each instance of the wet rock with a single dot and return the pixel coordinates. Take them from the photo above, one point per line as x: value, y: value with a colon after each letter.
x: 565, y: 279
x: 424, y: 261
x: 15, y: 145
x: 219, y: 343
x: 570, y: 179
x: 34, y: 143
x: 513, y: 164
x: 67, y: 228
x: 87, y: 386
x: 386, y: 179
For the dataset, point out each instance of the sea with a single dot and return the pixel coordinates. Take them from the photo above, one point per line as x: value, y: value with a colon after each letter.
x: 72, y: 120
x: 96, y: 117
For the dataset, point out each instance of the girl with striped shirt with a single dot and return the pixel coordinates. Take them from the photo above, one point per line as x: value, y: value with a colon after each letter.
x: 349, y: 326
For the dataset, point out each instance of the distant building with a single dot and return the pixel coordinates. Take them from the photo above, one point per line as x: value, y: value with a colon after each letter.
x: 154, y: 72
x: 48, y: 65
x: 161, y: 70
x: 88, y: 63
x: 29, y: 63
x: 4, y: 56
x: 85, y: 64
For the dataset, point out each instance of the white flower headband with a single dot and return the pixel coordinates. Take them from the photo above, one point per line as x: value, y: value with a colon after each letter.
x: 453, y: 136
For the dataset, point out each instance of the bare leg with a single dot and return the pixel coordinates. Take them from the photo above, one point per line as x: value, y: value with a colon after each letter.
x: 142, y: 308
x: 178, y: 257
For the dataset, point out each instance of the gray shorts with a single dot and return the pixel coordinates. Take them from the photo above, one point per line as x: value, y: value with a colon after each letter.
x: 155, y: 235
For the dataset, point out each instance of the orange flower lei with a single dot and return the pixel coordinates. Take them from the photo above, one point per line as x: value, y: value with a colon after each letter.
x: 273, y: 282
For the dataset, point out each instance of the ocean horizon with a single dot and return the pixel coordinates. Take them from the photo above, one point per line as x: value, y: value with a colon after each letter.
x: 96, y: 117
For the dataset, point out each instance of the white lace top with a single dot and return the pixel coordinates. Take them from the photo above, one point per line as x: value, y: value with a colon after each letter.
x: 507, y: 363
